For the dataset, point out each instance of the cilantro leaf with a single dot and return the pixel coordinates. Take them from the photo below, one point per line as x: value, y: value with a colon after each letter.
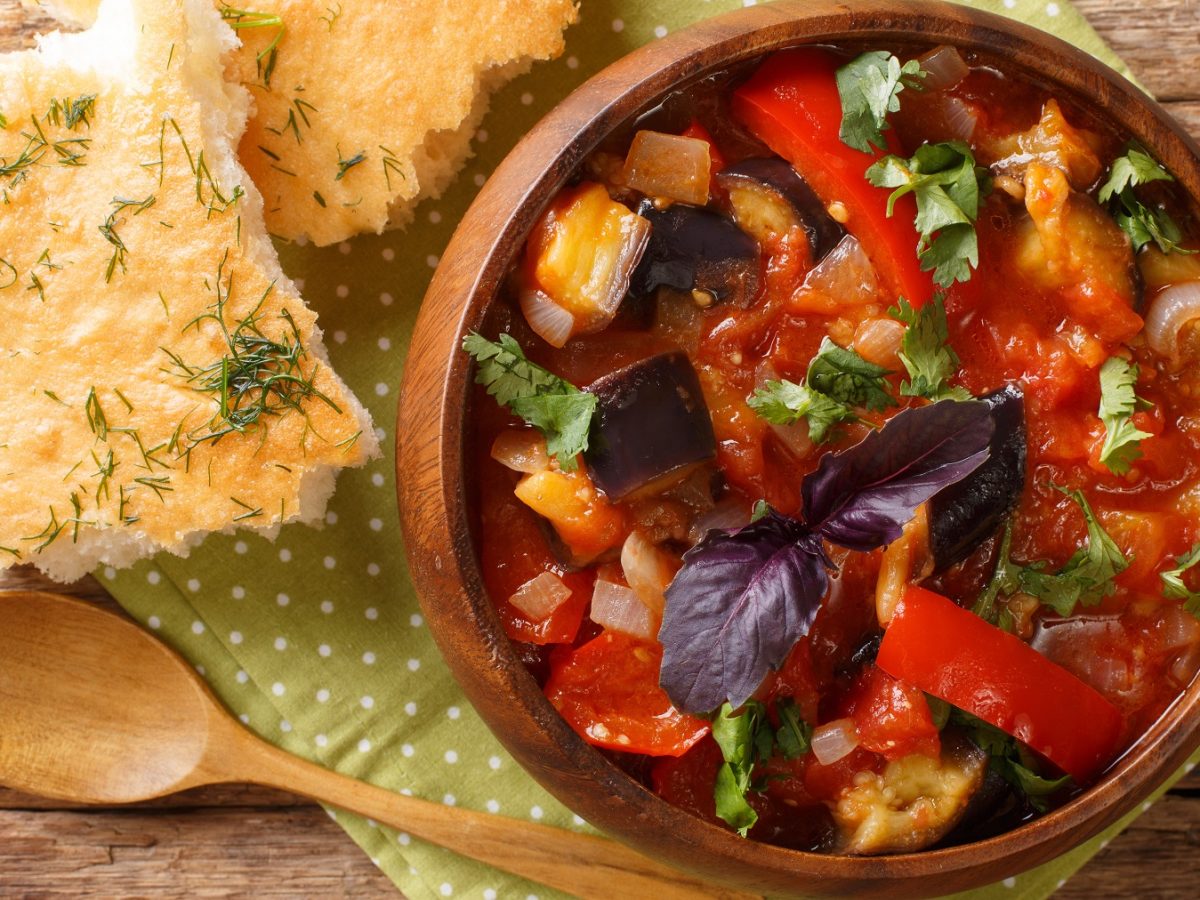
x: 746, y: 738
x: 1118, y: 402
x: 1087, y: 578
x: 842, y: 374
x: 1143, y: 224
x: 759, y: 509
x: 1003, y: 580
x: 925, y: 353
x: 1009, y: 759
x: 1173, y: 586
x: 558, y: 409
x: 948, y: 186
x: 785, y: 402
x: 869, y: 86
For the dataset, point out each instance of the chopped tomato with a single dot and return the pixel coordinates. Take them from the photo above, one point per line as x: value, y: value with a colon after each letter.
x: 792, y: 105
x: 515, y: 551
x: 891, y: 716
x: 608, y: 691
x: 826, y: 782
x: 687, y: 781
x: 953, y: 654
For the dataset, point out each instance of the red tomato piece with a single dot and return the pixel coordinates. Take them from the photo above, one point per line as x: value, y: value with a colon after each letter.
x: 792, y: 105
x: 608, y: 691
x: 953, y: 654
x: 891, y: 716
x: 514, y: 551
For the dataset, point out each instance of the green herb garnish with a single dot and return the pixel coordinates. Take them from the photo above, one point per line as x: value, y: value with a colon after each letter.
x: 948, y: 186
x: 869, y: 86
x: 784, y: 402
x: 746, y: 738
x: 1010, y: 759
x: 69, y: 113
x: 1087, y: 578
x: 109, y: 231
x: 1137, y: 220
x: 926, y: 353
x: 239, y: 19
x: 842, y: 374
x: 345, y: 165
x: 556, y: 408
x: 1173, y: 585
x: 1118, y: 403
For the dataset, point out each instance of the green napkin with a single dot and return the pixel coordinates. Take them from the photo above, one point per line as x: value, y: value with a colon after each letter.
x: 315, y: 638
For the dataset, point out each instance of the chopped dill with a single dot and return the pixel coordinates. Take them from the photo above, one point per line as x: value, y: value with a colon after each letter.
x: 15, y: 553
x: 348, y: 444
x: 282, y: 170
x: 53, y: 396
x: 345, y: 165
x: 251, y: 511
x: 258, y: 377
x: 44, y: 260
x: 104, y: 471
x: 5, y: 264
x: 109, y: 231
x: 239, y: 19
x: 69, y: 113
x: 331, y: 15
x: 35, y: 284
x: 160, y: 484
x: 121, y: 397
x: 274, y: 156
x: 49, y: 534
x: 163, y: 301
x: 97, y: 421
x: 391, y: 164
x: 320, y: 200
x: 297, y: 113
x: 123, y: 502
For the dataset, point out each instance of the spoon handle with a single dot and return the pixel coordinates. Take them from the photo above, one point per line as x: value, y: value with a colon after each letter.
x: 580, y: 864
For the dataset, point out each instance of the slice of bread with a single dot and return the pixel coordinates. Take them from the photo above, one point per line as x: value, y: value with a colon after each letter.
x: 366, y: 107
x: 160, y: 376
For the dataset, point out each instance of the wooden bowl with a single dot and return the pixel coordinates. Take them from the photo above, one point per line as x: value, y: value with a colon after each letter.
x: 431, y: 454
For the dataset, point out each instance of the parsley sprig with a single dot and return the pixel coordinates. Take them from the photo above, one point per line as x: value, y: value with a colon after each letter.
x: 947, y: 185
x: 926, y: 353
x: 1173, y: 584
x: 1142, y: 223
x: 869, y: 86
x: 747, y: 737
x: 838, y: 380
x: 556, y: 408
x: 1118, y: 403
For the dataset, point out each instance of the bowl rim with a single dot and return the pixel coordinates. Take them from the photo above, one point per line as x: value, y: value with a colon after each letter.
x: 431, y: 453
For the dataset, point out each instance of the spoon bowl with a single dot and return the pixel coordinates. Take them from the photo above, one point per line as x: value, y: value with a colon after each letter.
x: 95, y: 710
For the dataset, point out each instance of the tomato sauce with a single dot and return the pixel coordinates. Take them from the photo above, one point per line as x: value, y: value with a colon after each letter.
x: 1057, y: 291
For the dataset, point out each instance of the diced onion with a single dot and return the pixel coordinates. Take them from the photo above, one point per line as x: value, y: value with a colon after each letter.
x: 647, y: 569
x: 961, y: 118
x: 618, y: 608
x: 794, y: 437
x: 670, y: 166
x: 539, y: 597
x: 944, y: 68
x: 845, y: 277
x: 726, y: 515
x: 549, y: 321
x: 521, y: 449
x: 1183, y: 668
x: 879, y: 340
x: 834, y: 740
x: 1179, y: 628
x: 1168, y: 313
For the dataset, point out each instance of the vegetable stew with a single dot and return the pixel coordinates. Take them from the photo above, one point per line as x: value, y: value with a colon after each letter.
x: 837, y: 449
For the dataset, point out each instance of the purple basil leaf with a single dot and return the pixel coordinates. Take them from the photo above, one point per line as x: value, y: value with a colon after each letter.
x: 862, y: 497
x: 737, y: 607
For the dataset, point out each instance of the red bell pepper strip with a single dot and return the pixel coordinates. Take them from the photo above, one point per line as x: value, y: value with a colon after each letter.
x: 792, y: 105
x: 950, y: 652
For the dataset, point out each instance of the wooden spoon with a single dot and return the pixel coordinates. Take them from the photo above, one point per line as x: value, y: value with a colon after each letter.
x: 95, y: 710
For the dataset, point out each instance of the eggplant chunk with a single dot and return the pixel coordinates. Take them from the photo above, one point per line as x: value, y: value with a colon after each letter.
x: 692, y: 248
x: 769, y: 197
x: 964, y: 515
x: 912, y: 804
x: 651, y: 426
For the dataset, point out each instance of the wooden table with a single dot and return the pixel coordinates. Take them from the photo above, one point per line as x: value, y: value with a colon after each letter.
x: 247, y: 841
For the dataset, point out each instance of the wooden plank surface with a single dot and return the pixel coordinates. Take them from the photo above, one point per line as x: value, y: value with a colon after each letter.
x: 246, y: 841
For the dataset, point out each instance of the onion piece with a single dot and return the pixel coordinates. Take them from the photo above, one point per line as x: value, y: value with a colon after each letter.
x: 944, y: 68
x: 522, y: 450
x: 845, y: 277
x: 539, y: 597
x: 1168, y: 313
x: 670, y: 166
x: 618, y: 608
x: 1179, y: 628
x: 961, y: 118
x: 879, y: 340
x: 648, y: 570
x: 727, y: 515
x: 834, y: 740
x: 549, y: 321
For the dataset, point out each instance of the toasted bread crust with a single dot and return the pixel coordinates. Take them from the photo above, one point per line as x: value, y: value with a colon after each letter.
x: 138, y: 283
